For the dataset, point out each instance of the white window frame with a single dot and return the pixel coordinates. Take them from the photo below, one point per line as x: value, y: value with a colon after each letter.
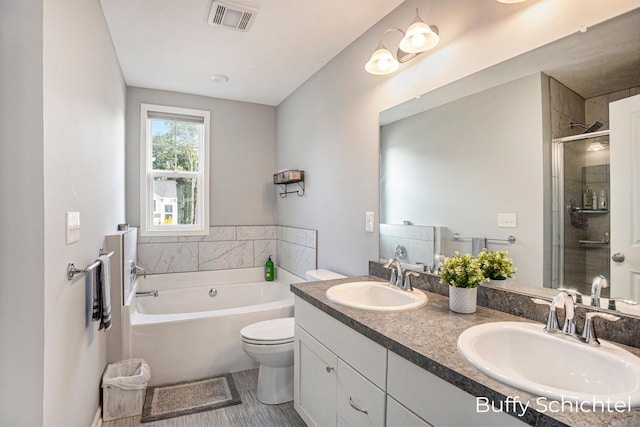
x: 147, y: 228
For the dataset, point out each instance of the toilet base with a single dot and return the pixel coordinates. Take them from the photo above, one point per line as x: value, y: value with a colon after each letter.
x: 275, y: 385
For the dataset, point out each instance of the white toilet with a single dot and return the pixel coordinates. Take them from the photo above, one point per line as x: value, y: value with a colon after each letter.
x: 270, y: 343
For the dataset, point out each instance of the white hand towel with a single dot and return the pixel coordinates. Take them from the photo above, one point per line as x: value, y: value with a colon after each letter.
x: 477, y: 245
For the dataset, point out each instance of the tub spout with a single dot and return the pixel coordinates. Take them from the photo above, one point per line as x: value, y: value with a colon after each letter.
x: 145, y: 293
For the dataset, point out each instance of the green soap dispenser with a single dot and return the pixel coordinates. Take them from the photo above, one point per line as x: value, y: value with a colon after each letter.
x: 268, y: 270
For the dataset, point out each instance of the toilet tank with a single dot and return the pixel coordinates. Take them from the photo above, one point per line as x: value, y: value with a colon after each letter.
x: 315, y: 275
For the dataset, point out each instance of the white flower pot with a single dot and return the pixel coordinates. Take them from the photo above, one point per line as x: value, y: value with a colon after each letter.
x: 463, y: 300
x: 498, y: 283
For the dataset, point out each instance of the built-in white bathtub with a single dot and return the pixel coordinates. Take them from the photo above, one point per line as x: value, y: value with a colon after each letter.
x: 184, y: 333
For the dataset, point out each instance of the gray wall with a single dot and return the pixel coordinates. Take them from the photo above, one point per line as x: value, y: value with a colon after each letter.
x: 62, y: 149
x: 22, y: 214
x: 242, y: 156
x: 462, y: 163
x: 83, y: 115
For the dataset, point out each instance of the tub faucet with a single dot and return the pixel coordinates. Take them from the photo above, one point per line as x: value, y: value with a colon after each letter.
x: 598, y: 283
x: 146, y: 293
x: 396, y: 274
x: 136, y: 271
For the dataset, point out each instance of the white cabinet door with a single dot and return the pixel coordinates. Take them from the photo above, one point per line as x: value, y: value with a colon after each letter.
x: 360, y: 402
x: 314, y: 381
x: 625, y: 197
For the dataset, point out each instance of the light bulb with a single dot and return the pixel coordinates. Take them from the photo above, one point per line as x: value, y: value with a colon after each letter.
x: 418, y: 40
x: 383, y: 64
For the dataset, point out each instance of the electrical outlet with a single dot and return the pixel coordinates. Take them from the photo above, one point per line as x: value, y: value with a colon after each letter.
x: 369, y: 222
x: 72, y: 227
x: 507, y: 220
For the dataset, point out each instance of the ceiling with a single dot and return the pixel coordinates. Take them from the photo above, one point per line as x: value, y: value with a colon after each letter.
x: 169, y: 45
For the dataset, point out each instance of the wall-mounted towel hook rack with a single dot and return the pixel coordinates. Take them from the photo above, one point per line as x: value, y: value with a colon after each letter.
x: 510, y: 239
x: 72, y: 270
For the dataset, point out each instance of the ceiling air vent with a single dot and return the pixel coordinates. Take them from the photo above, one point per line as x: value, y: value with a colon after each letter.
x: 231, y: 15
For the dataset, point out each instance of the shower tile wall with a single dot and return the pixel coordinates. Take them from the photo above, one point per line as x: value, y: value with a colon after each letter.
x: 229, y: 247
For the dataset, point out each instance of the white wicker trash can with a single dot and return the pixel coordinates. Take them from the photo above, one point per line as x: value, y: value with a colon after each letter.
x: 124, y: 385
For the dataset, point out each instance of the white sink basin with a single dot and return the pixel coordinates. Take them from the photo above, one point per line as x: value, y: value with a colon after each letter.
x: 552, y: 366
x: 375, y: 296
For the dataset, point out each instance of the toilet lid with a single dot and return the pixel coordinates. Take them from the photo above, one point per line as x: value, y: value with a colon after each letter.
x: 270, y: 331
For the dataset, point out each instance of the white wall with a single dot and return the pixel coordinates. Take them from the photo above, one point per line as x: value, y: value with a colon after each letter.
x: 21, y: 213
x: 474, y: 157
x: 83, y: 114
x: 242, y: 156
x: 329, y: 125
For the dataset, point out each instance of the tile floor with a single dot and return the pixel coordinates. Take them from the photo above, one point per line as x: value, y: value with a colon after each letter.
x: 250, y: 413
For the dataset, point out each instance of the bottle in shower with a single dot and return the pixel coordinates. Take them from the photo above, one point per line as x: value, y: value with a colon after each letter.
x: 268, y: 270
x: 603, y: 205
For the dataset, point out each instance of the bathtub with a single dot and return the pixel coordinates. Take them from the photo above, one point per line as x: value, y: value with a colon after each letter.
x: 185, y: 333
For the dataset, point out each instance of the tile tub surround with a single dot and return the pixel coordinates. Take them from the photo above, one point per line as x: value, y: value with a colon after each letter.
x: 518, y: 302
x: 428, y: 338
x: 228, y: 247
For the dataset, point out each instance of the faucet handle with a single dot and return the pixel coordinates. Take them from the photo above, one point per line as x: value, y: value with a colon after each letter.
x: 577, y: 296
x: 589, y: 332
x: 407, y: 280
x: 552, y: 320
x: 425, y: 267
x: 612, y: 303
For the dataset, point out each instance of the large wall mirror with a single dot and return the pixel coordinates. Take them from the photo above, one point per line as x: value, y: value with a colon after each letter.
x: 486, y: 162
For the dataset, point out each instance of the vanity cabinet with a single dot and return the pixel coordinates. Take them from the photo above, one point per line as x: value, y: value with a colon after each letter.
x: 436, y: 401
x: 342, y: 378
x: 339, y: 374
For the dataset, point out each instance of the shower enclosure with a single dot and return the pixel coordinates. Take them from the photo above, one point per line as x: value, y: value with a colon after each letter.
x: 581, y: 171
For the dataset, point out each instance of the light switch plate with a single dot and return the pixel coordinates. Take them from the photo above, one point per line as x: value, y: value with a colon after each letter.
x: 72, y: 227
x: 369, y: 222
x: 507, y: 220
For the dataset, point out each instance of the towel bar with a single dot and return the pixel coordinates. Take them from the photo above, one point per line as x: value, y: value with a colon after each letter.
x: 72, y: 270
x: 510, y: 239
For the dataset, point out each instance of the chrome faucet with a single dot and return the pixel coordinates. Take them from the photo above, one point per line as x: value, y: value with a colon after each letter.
x: 564, y: 299
x: 146, y: 293
x: 136, y: 271
x: 598, y: 283
x: 396, y: 274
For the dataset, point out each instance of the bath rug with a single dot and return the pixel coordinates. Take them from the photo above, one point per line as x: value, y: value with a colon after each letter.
x: 189, y: 397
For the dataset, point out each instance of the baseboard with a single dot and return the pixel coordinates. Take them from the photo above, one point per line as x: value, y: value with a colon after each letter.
x: 97, y: 420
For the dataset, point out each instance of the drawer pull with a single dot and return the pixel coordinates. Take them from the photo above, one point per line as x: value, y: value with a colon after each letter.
x: 329, y: 369
x: 356, y: 407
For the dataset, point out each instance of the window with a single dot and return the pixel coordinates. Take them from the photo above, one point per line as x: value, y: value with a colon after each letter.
x: 174, y: 171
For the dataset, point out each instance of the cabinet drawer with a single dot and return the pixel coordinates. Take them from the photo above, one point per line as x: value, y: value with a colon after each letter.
x: 437, y: 401
x: 398, y: 415
x: 360, y: 403
x: 361, y: 353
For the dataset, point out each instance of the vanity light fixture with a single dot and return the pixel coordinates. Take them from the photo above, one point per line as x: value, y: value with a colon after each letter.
x: 510, y: 1
x: 418, y: 38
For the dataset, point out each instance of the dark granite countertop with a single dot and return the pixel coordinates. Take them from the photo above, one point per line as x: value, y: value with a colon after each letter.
x: 428, y: 338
